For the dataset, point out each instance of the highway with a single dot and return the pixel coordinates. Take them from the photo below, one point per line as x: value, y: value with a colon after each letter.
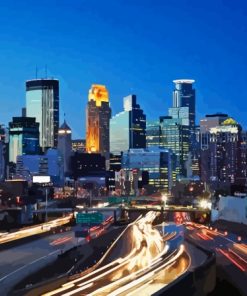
x: 13, y: 258
x: 34, y: 230
x: 151, y: 262
x: 231, y: 255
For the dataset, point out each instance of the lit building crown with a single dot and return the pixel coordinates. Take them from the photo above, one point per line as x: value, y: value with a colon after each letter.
x: 99, y: 94
x: 229, y: 121
x: 64, y: 129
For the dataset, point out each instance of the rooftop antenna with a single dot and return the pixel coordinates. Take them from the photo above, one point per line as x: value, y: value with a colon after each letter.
x: 64, y: 116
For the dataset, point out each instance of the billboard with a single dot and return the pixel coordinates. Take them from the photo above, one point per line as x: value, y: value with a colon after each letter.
x: 41, y: 179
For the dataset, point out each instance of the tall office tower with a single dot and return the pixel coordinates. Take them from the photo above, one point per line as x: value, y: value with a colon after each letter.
x: 23, y: 137
x: 128, y: 128
x: 225, y: 158
x: 42, y: 102
x: 183, y: 109
x: 174, y: 135
x: 98, y: 116
x: 184, y: 96
x: 65, y: 145
x: 206, y: 124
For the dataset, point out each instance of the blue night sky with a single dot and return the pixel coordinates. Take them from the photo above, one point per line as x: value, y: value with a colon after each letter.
x: 131, y: 46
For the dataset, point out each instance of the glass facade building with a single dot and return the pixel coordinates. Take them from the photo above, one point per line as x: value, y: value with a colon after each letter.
x: 23, y: 137
x: 42, y: 102
x: 128, y: 128
x: 157, y: 162
x: 184, y: 96
x: 175, y: 136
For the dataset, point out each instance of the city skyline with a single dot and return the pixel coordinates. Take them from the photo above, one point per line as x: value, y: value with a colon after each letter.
x: 91, y: 45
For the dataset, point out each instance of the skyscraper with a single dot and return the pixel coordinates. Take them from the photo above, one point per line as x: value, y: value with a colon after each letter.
x: 225, y: 154
x: 184, y: 96
x: 206, y: 124
x: 64, y: 145
x: 42, y: 102
x: 174, y: 135
x: 98, y: 116
x: 23, y: 137
x: 128, y: 128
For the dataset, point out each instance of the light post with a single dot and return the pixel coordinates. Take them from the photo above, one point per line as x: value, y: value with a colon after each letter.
x: 44, y: 181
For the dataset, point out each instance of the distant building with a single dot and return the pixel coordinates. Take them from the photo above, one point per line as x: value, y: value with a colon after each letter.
x: 184, y: 96
x: 23, y: 137
x: 42, y: 102
x: 157, y: 162
x: 97, y: 120
x: 210, y: 121
x: 184, y: 104
x: 114, y: 167
x: 153, y: 133
x: 176, y: 137
x: 64, y: 146
x: 128, y: 128
x: 49, y: 164
x: 87, y: 164
x: 225, y: 158
x: 78, y: 145
x: 3, y: 152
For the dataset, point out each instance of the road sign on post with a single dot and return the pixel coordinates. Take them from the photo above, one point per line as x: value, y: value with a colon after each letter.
x: 89, y: 218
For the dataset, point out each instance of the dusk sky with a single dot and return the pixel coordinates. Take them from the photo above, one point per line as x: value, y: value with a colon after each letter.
x: 131, y: 46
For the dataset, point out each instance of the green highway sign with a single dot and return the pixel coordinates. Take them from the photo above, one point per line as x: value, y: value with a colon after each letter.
x: 89, y: 218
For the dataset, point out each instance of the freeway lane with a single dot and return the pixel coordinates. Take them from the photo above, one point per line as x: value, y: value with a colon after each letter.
x: 14, y: 258
x: 149, y: 256
x: 231, y: 257
x: 33, y: 230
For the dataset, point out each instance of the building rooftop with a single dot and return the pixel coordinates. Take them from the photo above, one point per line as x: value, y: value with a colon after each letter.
x: 65, y: 126
x: 187, y: 81
x: 229, y: 121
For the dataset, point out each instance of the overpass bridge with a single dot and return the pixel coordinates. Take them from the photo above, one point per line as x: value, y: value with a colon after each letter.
x: 121, y: 211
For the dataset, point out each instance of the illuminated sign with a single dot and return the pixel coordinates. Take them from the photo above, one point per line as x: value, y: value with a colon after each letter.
x: 41, y: 179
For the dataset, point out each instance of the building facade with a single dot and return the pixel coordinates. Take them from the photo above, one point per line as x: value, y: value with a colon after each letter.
x: 225, y: 159
x: 98, y: 116
x: 210, y: 121
x: 128, y: 128
x: 48, y: 164
x: 176, y: 137
x: 65, y: 146
x: 157, y: 162
x: 3, y: 152
x: 23, y: 137
x: 78, y: 145
x: 42, y: 102
x: 184, y: 96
